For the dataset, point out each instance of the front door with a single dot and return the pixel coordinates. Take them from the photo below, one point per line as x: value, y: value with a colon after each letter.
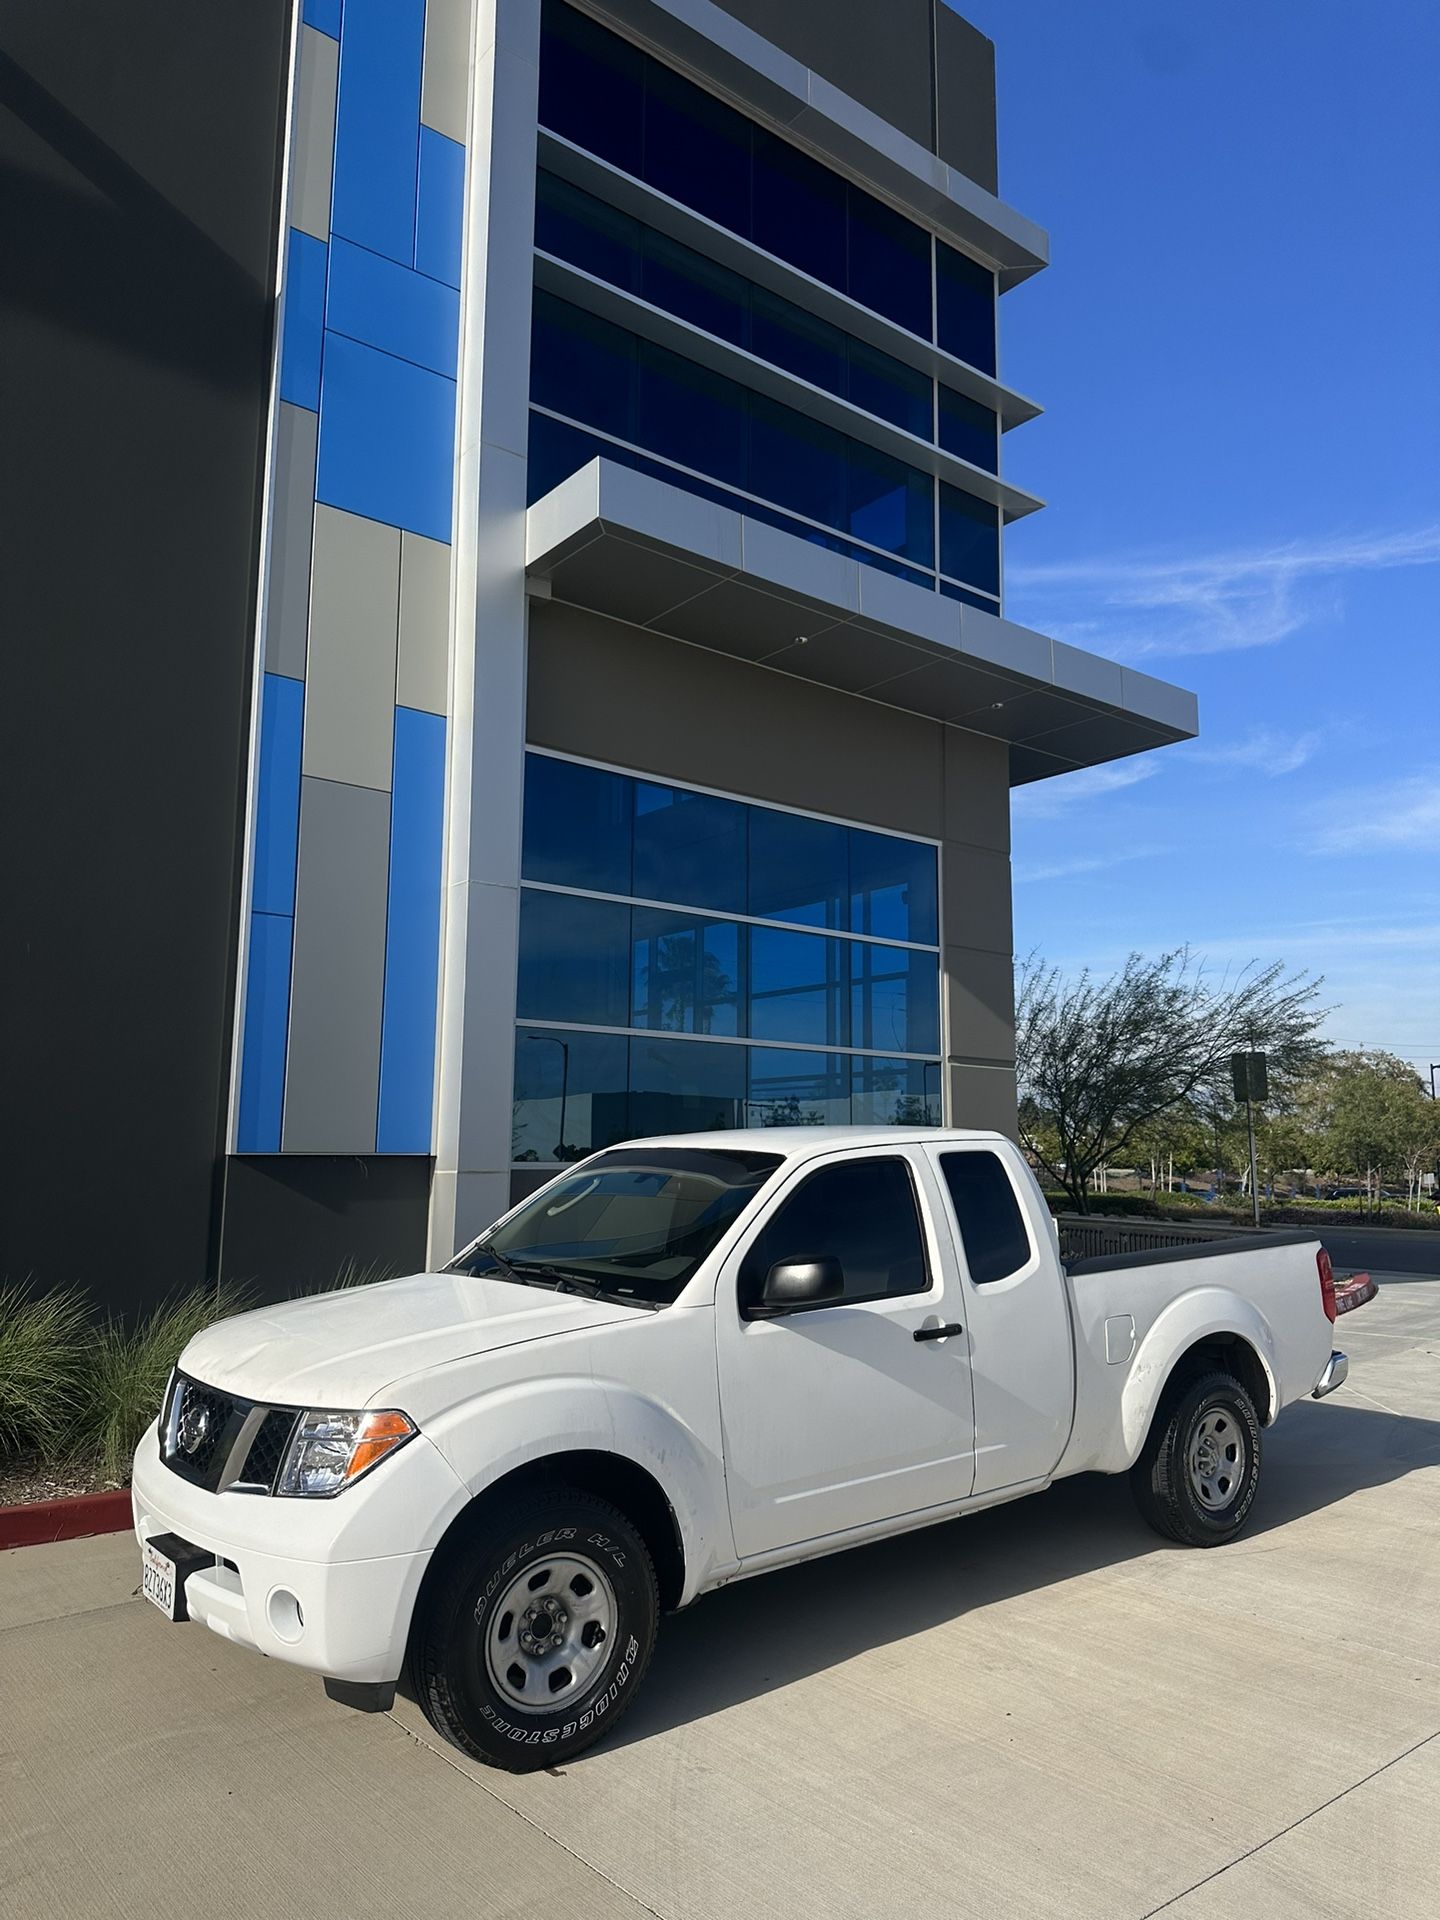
x: 839, y: 1417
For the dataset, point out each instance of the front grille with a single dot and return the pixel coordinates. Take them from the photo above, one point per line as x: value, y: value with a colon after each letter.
x: 217, y: 1440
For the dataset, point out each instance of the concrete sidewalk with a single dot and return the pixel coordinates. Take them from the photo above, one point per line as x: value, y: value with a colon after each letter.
x: 1042, y: 1710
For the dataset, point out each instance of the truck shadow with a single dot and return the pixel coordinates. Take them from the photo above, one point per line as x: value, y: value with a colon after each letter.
x: 767, y: 1633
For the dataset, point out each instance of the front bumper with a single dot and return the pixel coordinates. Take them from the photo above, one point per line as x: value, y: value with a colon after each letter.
x: 303, y: 1580
x: 1337, y: 1368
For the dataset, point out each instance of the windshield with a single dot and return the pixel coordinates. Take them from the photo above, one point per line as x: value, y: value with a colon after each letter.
x: 632, y: 1224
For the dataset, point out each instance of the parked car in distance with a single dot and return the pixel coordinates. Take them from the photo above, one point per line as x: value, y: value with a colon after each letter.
x: 683, y: 1362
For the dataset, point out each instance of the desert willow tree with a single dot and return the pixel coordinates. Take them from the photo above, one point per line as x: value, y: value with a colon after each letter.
x: 1098, y: 1060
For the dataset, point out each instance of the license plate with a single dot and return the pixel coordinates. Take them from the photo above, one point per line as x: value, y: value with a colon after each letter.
x: 159, y: 1580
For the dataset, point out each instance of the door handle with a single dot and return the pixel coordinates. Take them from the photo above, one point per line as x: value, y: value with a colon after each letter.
x: 939, y: 1333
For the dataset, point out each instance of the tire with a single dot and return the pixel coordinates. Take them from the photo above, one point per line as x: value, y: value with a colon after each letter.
x: 536, y: 1635
x: 1196, y: 1480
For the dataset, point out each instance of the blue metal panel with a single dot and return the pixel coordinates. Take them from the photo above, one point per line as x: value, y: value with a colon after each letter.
x: 300, y: 348
x: 324, y: 14
x: 277, y: 796
x: 412, y: 941
x: 391, y: 307
x: 267, y: 1015
x: 441, y: 206
x: 387, y: 439
x: 377, y: 125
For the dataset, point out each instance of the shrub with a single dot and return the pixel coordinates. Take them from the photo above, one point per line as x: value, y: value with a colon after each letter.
x: 42, y: 1363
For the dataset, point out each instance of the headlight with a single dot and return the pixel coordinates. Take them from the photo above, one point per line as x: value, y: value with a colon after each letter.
x: 330, y: 1450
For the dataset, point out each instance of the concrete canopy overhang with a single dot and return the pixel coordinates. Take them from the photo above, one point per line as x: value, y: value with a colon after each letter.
x: 622, y: 544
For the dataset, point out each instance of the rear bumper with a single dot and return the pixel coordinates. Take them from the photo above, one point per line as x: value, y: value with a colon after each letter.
x: 1337, y: 1367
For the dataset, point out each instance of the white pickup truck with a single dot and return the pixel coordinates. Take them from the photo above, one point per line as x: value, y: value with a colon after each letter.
x: 683, y: 1362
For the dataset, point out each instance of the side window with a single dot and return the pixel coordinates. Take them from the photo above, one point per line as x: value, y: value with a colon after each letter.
x: 862, y: 1213
x: 991, y: 1223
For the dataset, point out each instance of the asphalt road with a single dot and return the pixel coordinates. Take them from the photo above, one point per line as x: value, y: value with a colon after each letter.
x: 1042, y: 1711
x: 1385, y: 1250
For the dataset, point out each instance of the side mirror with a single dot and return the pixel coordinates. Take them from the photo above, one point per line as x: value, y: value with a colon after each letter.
x: 792, y: 1286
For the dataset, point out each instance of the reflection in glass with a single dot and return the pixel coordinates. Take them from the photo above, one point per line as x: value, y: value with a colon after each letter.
x: 895, y: 999
x: 685, y: 973
x: 570, y: 1095
x: 969, y: 538
x: 578, y: 825
x: 798, y: 868
x: 689, y: 847
x: 793, y: 1089
x: 798, y: 987
x: 574, y: 959
x: 896, y: 1093
x: 684, y: 1086
x: 969, y: 430
x: 893, y: 887
x: 965, y: 307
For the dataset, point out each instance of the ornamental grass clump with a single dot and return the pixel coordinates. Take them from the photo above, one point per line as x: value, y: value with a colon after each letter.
x: 42, y: 1369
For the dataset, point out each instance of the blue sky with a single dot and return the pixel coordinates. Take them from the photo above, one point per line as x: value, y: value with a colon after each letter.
x: 1238, y: 347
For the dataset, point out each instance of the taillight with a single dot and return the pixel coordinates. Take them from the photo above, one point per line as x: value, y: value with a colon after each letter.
x: 1327, y: 1283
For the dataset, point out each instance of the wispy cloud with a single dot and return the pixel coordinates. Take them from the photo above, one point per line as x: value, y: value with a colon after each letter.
x: 1047, y: 799
x: 1081, y: 864
x: 1262, y: 750
x: 1140, y: 606
x: 1392, y: 815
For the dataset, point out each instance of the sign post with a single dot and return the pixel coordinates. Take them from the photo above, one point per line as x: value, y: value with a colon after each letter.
x: 1250, y: 1074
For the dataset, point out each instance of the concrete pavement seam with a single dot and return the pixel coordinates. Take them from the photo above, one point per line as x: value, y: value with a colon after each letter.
x: 521, y: 1815
x: 1260, y: 1845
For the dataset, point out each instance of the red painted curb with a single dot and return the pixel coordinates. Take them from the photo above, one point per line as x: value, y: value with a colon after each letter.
x: 72, y: 1519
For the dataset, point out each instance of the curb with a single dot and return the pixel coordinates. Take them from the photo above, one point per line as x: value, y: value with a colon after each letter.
x: 75, y: 1518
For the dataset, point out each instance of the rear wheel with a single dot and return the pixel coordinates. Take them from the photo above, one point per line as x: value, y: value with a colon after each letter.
x: 536, y: 1636
x: 1197, y: 1478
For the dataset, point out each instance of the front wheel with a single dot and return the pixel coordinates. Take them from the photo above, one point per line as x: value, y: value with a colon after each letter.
x: 538, y: 1633
x: 1197, y: 1478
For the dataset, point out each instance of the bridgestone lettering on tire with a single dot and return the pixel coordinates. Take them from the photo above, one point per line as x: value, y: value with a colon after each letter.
x: 538, y: 1631
x: 1198, y: 1475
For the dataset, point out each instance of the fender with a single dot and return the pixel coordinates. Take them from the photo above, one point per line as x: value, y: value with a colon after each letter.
x: 487, y: 1436
x: 1196, y: 1316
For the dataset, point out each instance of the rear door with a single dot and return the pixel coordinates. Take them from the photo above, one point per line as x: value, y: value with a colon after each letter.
x: 839, y: 1417
x: 1021, y: 1349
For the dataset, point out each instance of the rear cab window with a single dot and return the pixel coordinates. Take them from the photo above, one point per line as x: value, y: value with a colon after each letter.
x: 988, y: 1214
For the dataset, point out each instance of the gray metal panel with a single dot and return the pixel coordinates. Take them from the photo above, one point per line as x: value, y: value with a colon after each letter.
x: 445, y: 87
x: 734, y: 618
x: 422, y: 670
x: 354, y: 622
x: 980, y: 991
x: 1087, y: 674
x: 631, y: 581
x: 965, y: 98
x: 332, y: 1079
x: 292, y: 515
x: 977, y: 900
x: 1158, y: 700
x: 981, y: 1096
x: 850, y: 657
x: 977, y: 791
x: 313, y: 152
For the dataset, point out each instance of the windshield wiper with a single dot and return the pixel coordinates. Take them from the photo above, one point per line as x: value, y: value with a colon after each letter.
x: 567, y: 1280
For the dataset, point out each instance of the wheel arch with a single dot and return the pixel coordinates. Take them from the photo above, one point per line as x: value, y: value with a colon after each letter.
x: 1227, y: 1338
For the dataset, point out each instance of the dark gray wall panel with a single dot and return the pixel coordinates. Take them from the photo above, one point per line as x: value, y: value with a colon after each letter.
x: 965, y: 98
x: 298, y: 1224
x: 880, y: 56
x: 139, y: 164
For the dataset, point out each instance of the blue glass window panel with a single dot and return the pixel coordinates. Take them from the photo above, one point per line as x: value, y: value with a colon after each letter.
x: 896, y: 1093
x: 262, y: 1050
x: 969, y: 538
x: 885, y: 386
x: 890, y: 504
x: 579, y: 823
x: 894, y: 888
x: 798, y: 987
x: 556, y: 451
x: 571, y: 1094
x: 799, y: 209
x: 685, y: 973
x: 791, y: 1088
x: 574, y: 960
x: 683, y: 282
x: 969, y: 599
x: 583, y: 366
x: 303, y: 338
x: 969, y: 430
x: 796, y: 461
x: 377, y: 126
x: 387, y: 438
x: 412, y: 934
x: 684, y: 1086
x: 798, y: 868
x: 277, y: 797
x: 324, y: 14
x: 575, y: 226
x: 394, y: 308
x: 804, y: 345
x: 689, y: 848
x: 440, y: 209
x: 888, y: 263
x: 592, y: 87
x: 965, y: 307
x: 697, y: 150
x: 895, y: 998
x: 689, y: 414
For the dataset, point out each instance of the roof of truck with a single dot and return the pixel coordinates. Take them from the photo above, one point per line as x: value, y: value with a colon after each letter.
x: 808, y: 1140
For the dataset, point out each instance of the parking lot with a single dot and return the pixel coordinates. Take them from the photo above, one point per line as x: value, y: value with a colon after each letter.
x: 1043, y: 1710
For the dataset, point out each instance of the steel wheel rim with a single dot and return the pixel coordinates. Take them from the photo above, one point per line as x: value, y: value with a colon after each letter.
x: 550, y: 1633
x: 1217, y: 1457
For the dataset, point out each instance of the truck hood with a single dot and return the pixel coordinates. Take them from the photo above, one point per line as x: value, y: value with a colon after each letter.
x: 344, y: 1349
